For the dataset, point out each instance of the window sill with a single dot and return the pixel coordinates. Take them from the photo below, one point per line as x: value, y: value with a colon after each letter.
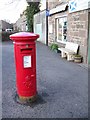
x: 61, y: 42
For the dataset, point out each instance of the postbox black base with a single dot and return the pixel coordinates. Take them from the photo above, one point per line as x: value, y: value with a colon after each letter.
x: 25, y: 101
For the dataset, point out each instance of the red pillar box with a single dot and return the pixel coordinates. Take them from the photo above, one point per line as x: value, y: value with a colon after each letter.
x: 25, y: 59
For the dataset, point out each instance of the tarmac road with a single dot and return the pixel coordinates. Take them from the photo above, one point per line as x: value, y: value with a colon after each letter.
x: 62, y: 87
x: 0, y: 80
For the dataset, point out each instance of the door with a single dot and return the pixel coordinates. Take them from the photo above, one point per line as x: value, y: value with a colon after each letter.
x: 39, y: 31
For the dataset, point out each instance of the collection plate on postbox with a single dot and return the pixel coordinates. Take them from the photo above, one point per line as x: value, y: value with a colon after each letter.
x: 27, y: 61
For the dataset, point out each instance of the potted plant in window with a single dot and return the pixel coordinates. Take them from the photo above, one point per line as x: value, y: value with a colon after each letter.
x: 77, y: 58
x: 54, y: 47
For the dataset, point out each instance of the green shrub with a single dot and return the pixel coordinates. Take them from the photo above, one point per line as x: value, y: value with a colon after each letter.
x: 54, y: 46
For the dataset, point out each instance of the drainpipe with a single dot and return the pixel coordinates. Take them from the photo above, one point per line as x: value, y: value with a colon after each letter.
x: 88, y: 41
x: 46, y: 23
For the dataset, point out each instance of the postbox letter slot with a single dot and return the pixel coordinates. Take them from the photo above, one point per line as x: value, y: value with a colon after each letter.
x: 23, y: 49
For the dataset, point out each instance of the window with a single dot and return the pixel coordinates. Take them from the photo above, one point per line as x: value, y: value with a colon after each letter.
x: 61, y: 29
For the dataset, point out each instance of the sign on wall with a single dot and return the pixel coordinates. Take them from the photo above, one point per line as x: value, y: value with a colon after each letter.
x: 77, y: 5
x: 47, y: 13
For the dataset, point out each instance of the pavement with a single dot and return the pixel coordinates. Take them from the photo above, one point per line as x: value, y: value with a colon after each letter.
x: 0, y: 81
x: 62, y: 87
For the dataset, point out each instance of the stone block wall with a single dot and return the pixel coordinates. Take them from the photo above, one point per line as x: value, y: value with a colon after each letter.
x: 77, y: 31
x: 51, y: 36
x: 52, y: 21
x: 53, y: 3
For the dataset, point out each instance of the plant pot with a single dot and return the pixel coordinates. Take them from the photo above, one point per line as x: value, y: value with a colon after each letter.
x: 78, y: 59
x: 56, y: 51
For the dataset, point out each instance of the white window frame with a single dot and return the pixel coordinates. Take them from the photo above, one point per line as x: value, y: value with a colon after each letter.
x: 57, y: 20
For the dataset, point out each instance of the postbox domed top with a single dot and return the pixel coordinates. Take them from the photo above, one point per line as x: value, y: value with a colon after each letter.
x: 24, y: 36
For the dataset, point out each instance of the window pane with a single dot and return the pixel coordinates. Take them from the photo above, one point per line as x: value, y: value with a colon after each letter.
x: 65, y: 30
x: 62, y: 29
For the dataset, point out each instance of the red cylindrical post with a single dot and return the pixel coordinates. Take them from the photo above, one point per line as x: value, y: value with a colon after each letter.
x: 25, y: 59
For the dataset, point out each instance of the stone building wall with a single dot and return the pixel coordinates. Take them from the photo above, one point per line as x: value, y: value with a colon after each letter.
x: 5, y: 25
x: 53, y: 3
x: 78, y: 31
x: 52, y: 21
x: 21, y: 23
x: 51, y: 36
